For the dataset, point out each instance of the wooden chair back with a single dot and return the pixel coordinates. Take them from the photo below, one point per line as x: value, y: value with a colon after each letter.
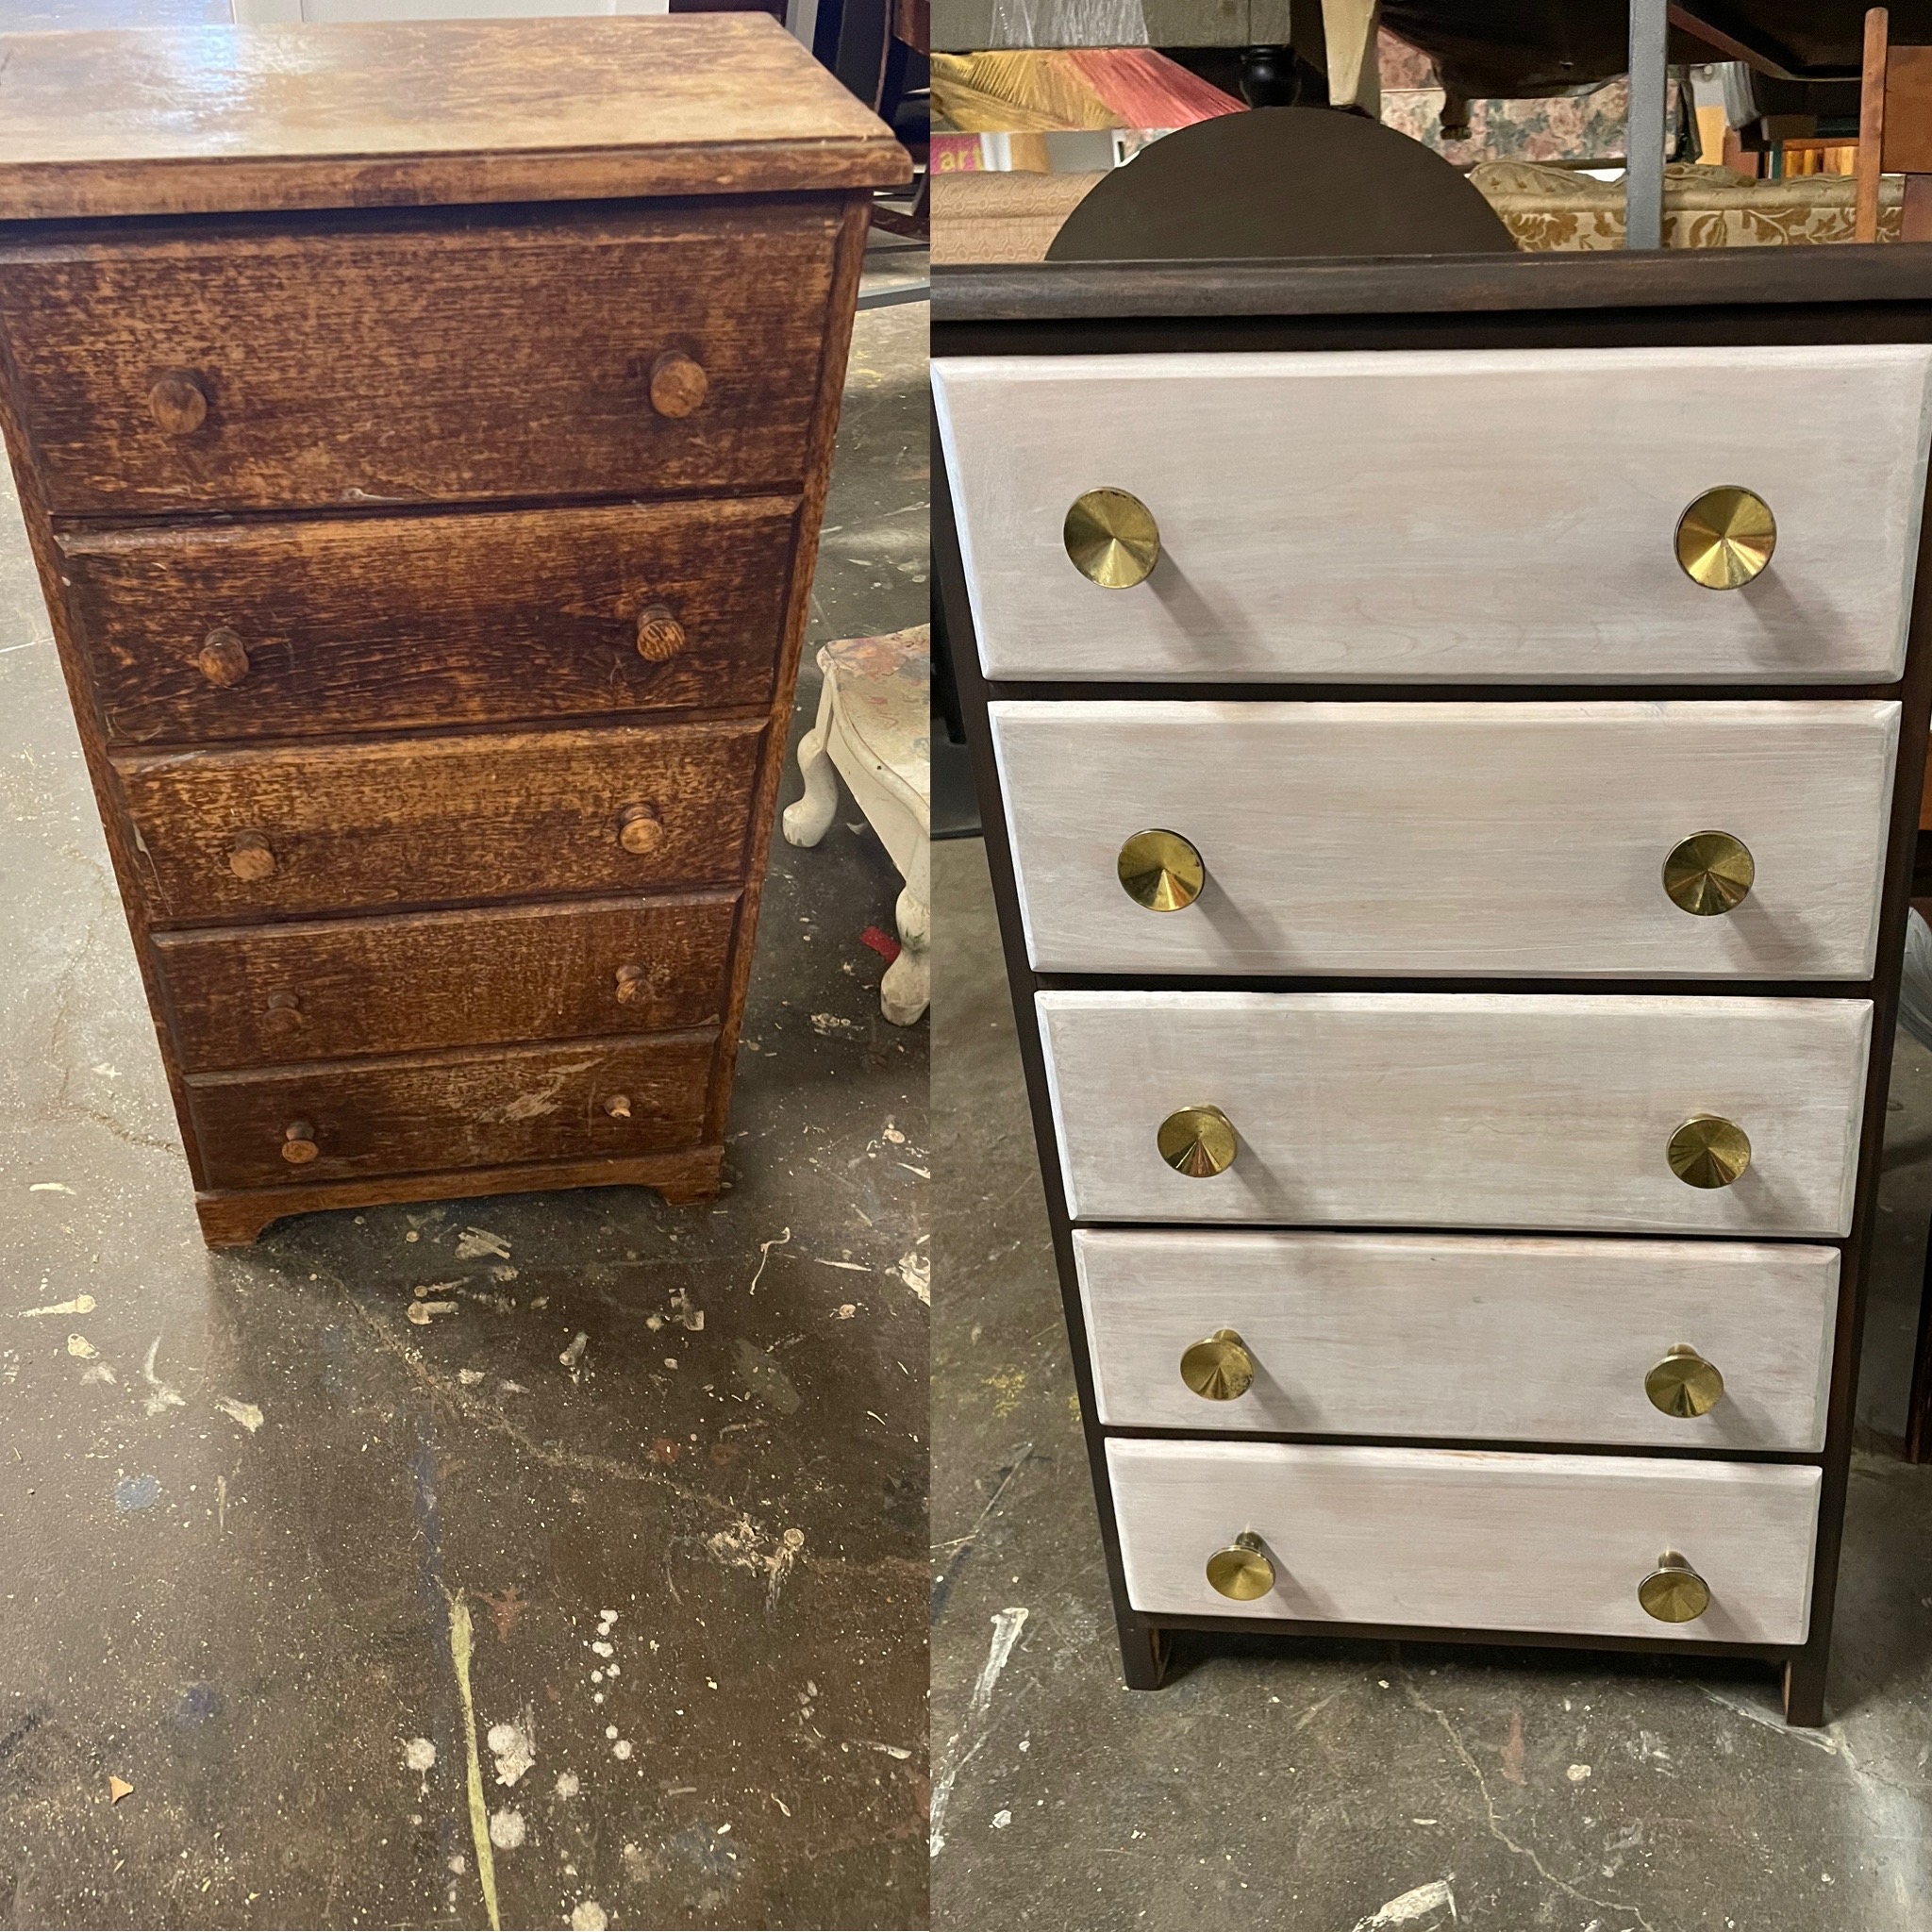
x: 1894, y: 130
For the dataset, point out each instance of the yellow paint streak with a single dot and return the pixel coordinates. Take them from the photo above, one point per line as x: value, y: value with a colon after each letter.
x: 461, y: 1636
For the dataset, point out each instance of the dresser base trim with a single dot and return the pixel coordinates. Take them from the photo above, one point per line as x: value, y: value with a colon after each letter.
x: 233, y: 1218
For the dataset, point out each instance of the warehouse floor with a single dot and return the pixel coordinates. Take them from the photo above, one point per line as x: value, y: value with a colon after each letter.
x: 1351, y: 1788
x: 666, y: 1467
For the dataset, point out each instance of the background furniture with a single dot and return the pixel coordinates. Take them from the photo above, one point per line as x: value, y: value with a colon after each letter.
x: 433, y: 646
x: 1313, y: 1033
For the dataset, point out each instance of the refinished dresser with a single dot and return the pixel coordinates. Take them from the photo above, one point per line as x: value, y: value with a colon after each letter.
x: 1450, y: 735
x: 423, y: 435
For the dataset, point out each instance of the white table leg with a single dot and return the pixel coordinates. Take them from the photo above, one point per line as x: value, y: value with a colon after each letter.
x: 807, y: 820
x: 907, y: 985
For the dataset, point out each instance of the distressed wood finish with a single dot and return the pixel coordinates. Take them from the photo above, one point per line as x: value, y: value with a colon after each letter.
x: 427, y: 821
x: 1471, y: 1539
x: 455, y: 1110
x: 1500, y: 516
x: 1480, y: 1338
x: 316, y: 990
x: 397, y: 623
x: 1460, y: 1110
x: 445, y: 365
x: 1451, y: 837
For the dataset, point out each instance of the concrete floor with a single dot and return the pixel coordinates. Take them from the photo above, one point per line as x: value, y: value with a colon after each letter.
x: 247, y: 1505
x: 1346, y: 1789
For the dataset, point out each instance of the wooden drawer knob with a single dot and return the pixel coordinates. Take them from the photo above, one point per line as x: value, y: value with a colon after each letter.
x: 298, y: 1143
x: 678, y: 384
x: 284, y: 1012
x: 633, y: 984
x: 660, y: 637
x: 640, y: 829
x: 1674, y: 1592
x: 179, y: 404
x: 618, y: 1106
x: 222, y: 659
x: 249, y: 856
x: 1243, y: 1569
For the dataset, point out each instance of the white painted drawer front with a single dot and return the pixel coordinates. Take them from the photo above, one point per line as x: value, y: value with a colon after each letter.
x: 1513, y: 1339
x: 1479, y: 838
x: 1442, y: 515
x: 1491, y: 1110
x: 1466, y: 1539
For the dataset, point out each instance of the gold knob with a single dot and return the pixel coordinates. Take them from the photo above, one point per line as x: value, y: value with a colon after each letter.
x: 678, y: 384
x: 178, y: 403
x: 1709, y: 873
x: 298, y: 1143
x: 660, y: 637
x: 1198, y: 1142
x: 633, y: 984
x: 222, y: 659
x: 250, y: 857
x: 1241, y: 1570
x: 1674, y: 1592
x: 1219, y: 1368
x: 1725, y: 537
x: 618, y: 1106
x: 1684, y: 1384
x: 1161, y: 871
x: 1112, y: 538
x: 640, y: 829
x: 1708, y: 1151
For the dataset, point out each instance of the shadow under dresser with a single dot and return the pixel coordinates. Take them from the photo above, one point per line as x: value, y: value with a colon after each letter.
x: 423, y: 435
x: 1450, y: 735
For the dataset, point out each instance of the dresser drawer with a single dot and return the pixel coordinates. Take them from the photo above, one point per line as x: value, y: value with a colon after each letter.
x: 314, y: 989
x: 368, y: 624
x: 1511, y: 1339
x: 333, y: 827
x: 384, y: 360
x: 1460, y: 516
x: 1478, y: 838
x: 1486, y: 1110
x: 1468, y: 1539
x: 432, y: 1112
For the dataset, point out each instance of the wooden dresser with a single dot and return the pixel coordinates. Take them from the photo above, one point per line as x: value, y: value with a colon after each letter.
x: 423, y: 435
x: 1449, y: 736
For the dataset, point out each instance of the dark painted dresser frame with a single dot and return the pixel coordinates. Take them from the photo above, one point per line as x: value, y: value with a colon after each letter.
x: 1745, y: 296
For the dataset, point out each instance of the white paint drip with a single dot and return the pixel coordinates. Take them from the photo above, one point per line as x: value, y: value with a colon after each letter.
x: 574, y: 1355
x: 514, y: 1748
x: 49, y: 1188
x: 1007, y: 1626
x: 745, y: 1546
x: 622, y: 1748
x: 160, y: 1394
x: 474, y: 1243
x: 568, y: 1784
x: 81, y: 1305
x: 243, y: 1412
x: 1412, y: 1905
x: 777, y: 1240
x: 506, y: 1829
x: 419, y: 1754
x: 81, y: 1348
x: 587, y: 1917
x: 98, y: 1371
x: 915, y: 1271
x: 420, y: 1312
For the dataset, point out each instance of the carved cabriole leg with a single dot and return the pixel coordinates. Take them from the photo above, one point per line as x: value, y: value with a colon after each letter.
x: 808, y: 819
x: 907, y: 986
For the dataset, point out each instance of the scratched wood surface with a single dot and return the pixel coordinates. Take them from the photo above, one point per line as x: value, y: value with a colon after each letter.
x: 382, y: 622
x: 325, y: 989
x: 449, y: 359
x: 455, y: 1110
x: 214, y: 118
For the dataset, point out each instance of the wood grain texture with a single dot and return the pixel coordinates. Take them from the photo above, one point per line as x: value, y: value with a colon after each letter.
x: 444, y: 1112
x: 1442, y: 515
x: 1512, y: 1339
x: 425, y: 821
x: 1471, y: 1539
x: 373, y: 623
x: 443, y: 365
x: 234, y: 1217
x: 324, y: 989
x: 204, y: 118
x: 1481, y: 838
x: 1458, y: 1109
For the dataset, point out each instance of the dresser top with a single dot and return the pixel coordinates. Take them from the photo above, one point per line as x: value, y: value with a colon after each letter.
x: 238, y: 119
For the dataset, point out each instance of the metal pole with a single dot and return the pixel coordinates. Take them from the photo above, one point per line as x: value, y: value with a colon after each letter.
x: 1643, y: 136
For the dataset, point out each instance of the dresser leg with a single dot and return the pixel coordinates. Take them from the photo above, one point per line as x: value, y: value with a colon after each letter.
x: 1143, y: 1656
x: 1804, y: 1690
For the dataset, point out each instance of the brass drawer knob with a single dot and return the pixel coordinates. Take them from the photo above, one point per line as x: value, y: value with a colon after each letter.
x: 1684, y: 1384
x: 1708, y: 1151
x: 250, y: 857
x: 1161, y: 871
x: 1725, y: 537
x: 1198, y: 1142
x: 660, y: 637
x: 1674, y: 1592
x: 1112, y: 538
x: 1219, y: 1368
x: 633, y: 984
x: 678, y: 384
x: 640, y: 829
x: 298, y: 1143
x: 178, y: 403
x: 1709, y: 873
x: 1241, y: 1570
x: 618, y: 1106
x: 222, y: 659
